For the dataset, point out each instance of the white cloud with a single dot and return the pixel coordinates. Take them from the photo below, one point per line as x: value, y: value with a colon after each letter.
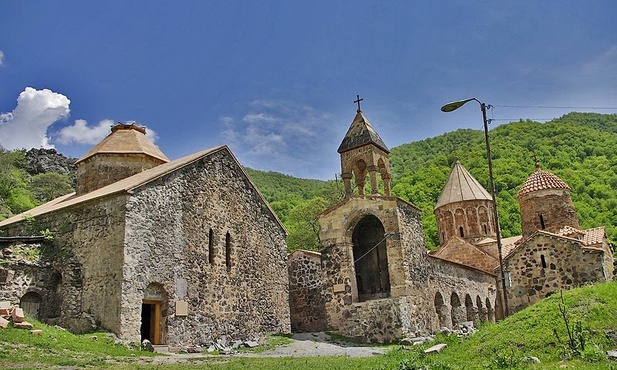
x: 26, y: 126
x: 81, y: 133
x: 1, y: 58
x: 282, y: 136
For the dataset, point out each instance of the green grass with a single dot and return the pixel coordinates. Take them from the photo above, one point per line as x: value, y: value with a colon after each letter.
x: 61, y: 348
x: 503, y: 345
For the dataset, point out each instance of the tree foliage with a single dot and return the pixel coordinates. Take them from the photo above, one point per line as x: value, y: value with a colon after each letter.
x: 580, y: 148
x: 20, y: 191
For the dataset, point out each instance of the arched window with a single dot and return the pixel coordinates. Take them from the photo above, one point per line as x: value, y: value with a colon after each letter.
x: 211, y: 247
x: 460, y: 230
x: 543, y: 261
x: 228, y: 251
x: 542, y: 222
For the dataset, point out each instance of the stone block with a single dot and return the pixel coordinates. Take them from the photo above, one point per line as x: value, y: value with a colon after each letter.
x: 182, y: 308
x: 22, y: 325
x: 5, y: 309
x: 4, y: 323
x: 338, y: 288
x: 36, y: 332
x: 18, y: 315
x: 436, y: 348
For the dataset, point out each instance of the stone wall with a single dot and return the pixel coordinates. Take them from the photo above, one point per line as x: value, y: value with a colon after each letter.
x: 104, y: 169
x: 473, y: 217
x: 545, y: 264
x: 235, y: 285
x: 86, y: 256
x: 548, y: 209
x: 412, y: 307
x: 306, y: 301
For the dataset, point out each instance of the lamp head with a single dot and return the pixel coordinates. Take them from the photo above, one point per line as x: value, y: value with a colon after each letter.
x: 456, y: 105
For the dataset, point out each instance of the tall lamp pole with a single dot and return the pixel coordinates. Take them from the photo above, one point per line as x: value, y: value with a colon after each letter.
x: 454, y: 106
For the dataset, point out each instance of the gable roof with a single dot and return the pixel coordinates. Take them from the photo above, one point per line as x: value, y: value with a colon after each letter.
x: 361, y: 133
x: 591, y: 239
x: 132, y: 183
x: 540, y: 180
x: 461, y: 186
x: 126, y: 139
x: 462, y: 252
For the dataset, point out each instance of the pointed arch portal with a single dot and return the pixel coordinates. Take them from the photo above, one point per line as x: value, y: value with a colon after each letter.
x: 371, y: 259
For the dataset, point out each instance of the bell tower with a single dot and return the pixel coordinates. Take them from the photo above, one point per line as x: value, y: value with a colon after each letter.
x: 364, y: 153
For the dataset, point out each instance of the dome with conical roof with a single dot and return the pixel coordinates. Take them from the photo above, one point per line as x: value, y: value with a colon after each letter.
x: 361, y: 133
x: 123, y: 153
x: 465, y: 208
x: 540, y: 180
x: 461, y: 186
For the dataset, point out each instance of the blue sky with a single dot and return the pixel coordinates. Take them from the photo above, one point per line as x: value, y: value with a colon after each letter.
x: 276, y: 80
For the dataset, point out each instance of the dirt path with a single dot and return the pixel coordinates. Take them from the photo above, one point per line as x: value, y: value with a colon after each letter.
x: 302, y: 345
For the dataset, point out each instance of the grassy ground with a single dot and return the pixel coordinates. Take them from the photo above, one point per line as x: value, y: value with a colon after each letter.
x: 538, y: 331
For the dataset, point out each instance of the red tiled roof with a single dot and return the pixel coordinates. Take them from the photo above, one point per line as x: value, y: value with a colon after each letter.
x: 540, y: 180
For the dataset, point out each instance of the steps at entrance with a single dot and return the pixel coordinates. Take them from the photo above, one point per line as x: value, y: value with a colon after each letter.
x: 161, y: 348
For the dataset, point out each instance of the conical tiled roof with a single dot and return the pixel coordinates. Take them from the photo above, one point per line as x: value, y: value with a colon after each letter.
x: 540, y: 180
x: 126, y: 139
x: 361, y: 133
x: 461, y: 186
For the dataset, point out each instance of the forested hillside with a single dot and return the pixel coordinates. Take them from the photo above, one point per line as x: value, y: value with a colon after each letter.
x: 29, y: 178
x: 581, y: 148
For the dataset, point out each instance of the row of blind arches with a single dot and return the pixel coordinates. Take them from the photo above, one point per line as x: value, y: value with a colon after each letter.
x: 455, y: 313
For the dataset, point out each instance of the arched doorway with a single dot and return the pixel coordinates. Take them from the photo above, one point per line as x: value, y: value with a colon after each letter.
x: 31, y: 303
x: 442, y: 310
x: 371, y: 259
x: 490, y: 312
x: 481, y: 310
x: 471, y: 313
x: 458, y: 315
x: 153, y: 324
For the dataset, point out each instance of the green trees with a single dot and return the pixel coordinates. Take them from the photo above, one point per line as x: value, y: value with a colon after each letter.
x: 581, y: 148
x: 20, y: 191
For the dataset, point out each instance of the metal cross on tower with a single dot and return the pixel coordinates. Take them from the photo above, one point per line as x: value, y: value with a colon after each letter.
x: 358, y: 100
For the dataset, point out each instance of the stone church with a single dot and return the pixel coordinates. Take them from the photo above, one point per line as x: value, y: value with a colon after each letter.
x: 374, y: 279
x: 552, y: 254
x: 178, y: 252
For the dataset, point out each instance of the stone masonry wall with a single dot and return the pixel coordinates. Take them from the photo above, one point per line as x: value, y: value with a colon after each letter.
x: 566, y: 265
x: 419, y: 280
x: 555, y: 207
x: 306, y: 301
x: 104, y: 169
x: 239, y: 292
x: 86, y: 256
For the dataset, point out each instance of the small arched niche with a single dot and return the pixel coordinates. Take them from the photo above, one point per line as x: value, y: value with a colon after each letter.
x: 31, y: 303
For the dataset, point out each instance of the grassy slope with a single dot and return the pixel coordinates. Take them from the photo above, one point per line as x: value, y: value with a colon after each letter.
x: 494, y: 346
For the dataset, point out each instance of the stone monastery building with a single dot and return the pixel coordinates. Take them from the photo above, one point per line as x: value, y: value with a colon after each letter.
x: 375, y: 281
x: 183, y: 252
x: 177, y: 252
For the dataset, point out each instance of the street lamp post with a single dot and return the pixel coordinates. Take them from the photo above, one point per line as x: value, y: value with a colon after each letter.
x: 454, y: 106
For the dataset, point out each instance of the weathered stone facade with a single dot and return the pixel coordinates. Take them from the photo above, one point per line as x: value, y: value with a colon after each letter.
x: 379, y: 282
x: 306, y: 301
x: 546, y: 263
x: 186, y: 252
x: 416, y: 279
